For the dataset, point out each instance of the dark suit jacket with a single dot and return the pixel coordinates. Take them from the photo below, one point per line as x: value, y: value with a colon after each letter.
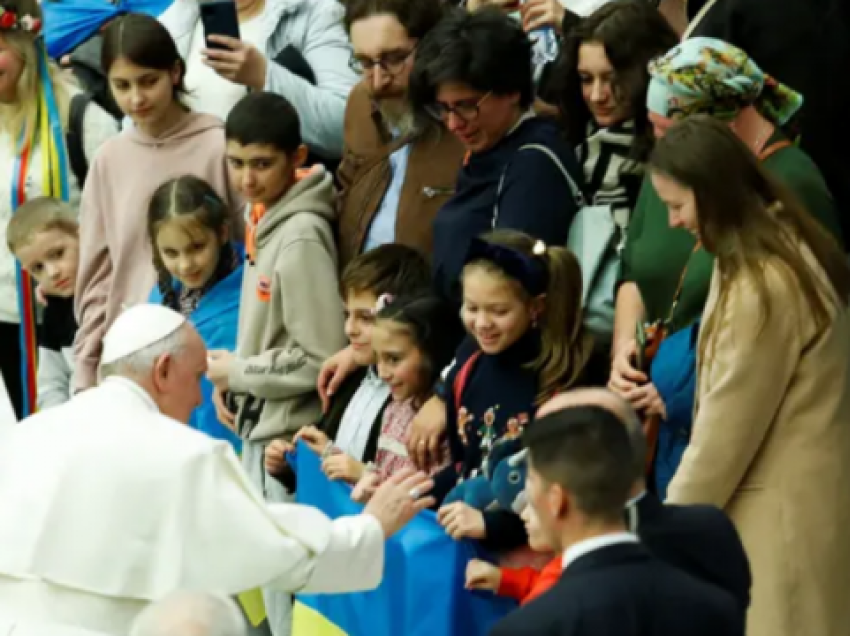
x: 622, y: 590
x: 701, y: 540
x: 331, y: 421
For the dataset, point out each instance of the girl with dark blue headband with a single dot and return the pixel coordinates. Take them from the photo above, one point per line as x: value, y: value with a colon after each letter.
x: 522, y: 311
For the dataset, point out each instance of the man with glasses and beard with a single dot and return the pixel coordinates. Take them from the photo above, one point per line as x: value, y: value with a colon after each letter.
x: 397, y: 169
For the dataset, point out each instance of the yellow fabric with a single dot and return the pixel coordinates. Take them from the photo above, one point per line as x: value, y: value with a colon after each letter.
x: 254, y: 607
x: 308, y: 622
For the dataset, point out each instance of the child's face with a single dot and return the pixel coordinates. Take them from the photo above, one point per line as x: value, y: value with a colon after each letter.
x: 52, y: 258
x: 494, y: 312
x: 536, y: 538
x: 359, y: 321
x: 189, y: 252
x: 261, y: 173
x: 143, y: 94
x: 399, y: 360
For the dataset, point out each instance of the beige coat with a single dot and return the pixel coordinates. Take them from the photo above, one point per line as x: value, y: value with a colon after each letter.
x: 771, y: 446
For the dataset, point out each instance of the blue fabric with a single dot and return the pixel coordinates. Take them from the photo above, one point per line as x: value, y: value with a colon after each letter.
x: 69, y: 23
x: 422, y: 592
x: 217, y: 319
x: 673, y: 372
x: 382, y: 230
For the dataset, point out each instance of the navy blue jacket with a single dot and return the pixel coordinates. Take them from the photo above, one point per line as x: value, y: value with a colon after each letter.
x: 622, y: 590
x: 535, y: 199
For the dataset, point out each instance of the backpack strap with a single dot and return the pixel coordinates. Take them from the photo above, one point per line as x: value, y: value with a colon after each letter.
x: 462, y: 377
x: 574, y: 189
x: 74, y: 137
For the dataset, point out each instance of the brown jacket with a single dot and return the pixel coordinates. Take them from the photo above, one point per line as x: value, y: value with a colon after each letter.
x: 770, y: 445
x: 432, y: 168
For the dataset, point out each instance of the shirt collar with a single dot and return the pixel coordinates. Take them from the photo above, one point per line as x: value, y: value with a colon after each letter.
x: 587, y: 546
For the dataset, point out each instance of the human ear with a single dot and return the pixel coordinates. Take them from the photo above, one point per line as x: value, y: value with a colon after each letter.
x: 162, y: 369
x: 299, y: 157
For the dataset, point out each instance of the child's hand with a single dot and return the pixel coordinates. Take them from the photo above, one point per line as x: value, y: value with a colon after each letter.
x: 315, y: 439
x: 462, y: 521
x: 481, y: 575
x: 224, y: 414
x: 275, y: 456
x: 342, y: 467
x: 366, y: 487
x: 219, y: 365
x: 40, y: 296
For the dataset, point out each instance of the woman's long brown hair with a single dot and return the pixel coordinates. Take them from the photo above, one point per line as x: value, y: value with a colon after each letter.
x: 748, y: 221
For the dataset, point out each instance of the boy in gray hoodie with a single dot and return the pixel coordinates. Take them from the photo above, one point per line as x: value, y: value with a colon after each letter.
x: 291, y: 315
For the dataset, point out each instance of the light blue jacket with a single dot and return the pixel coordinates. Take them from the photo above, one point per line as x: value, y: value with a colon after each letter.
x: 315, y: 29
x: 217, y: 319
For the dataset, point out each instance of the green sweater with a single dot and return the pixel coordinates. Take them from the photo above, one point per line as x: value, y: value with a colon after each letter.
x: 656, y: 254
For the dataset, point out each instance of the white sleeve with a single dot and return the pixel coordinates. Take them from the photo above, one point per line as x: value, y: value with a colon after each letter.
x: 54, y: 379
x: 98, y: 126
x: 234, y: 541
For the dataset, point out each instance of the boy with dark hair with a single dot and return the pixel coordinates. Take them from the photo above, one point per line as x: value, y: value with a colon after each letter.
x: 44, y: 236
x: 347, y: 434
x: 290, y: 314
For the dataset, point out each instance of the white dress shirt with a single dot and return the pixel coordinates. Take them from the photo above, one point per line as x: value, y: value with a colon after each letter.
x: 587, y: 546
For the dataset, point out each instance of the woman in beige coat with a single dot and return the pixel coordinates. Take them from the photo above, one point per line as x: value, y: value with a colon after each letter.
x: 771, y: 434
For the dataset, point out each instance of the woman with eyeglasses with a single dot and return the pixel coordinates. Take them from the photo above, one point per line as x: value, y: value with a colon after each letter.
x: 473, y: 72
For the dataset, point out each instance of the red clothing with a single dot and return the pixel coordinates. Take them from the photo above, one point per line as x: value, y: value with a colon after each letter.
x: 526, y: 584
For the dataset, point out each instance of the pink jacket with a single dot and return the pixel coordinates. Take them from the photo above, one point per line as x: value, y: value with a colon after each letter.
x: 116, y: 266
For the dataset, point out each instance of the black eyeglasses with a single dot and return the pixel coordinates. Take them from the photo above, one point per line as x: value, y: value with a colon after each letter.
x: 390, y: 63
x: 467, y: 110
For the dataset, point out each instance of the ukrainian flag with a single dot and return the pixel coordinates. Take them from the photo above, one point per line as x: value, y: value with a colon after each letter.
x: 422, y: 593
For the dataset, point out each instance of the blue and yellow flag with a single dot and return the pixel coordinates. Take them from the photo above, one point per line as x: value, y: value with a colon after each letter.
x: 422, y: 593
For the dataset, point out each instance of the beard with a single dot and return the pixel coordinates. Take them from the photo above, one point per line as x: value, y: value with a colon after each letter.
x: 397, y: 114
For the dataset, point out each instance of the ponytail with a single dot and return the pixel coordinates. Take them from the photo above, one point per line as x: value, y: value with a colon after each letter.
x: 565, y: 343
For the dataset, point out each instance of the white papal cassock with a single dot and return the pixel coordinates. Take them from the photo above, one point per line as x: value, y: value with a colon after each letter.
x: 106, y: 504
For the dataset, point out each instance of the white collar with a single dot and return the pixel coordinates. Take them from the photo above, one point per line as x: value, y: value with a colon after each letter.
x: 126, y: 384
x: 634, y: 500
x: 587, y: 546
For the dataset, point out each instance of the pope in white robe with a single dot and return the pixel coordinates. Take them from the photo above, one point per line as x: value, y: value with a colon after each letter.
x: 107, y: 503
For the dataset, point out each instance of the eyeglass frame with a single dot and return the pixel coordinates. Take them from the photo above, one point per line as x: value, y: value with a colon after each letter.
x: 356, y: 64
x: 431, y: 109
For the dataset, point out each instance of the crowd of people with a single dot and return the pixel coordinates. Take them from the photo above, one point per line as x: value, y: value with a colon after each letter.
x: 412, y: 238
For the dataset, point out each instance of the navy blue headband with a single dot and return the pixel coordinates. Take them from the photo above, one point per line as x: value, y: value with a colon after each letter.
x: 530, y: 271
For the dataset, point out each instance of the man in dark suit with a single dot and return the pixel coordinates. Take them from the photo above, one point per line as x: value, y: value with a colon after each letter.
x: 701, y: 540
x: 581, y: 469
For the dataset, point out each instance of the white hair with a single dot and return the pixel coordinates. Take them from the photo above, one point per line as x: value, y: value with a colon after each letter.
x: 191, y: 614
x: 141, y: 362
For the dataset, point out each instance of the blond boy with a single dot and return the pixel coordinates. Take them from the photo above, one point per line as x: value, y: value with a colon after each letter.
x: 44, y: 236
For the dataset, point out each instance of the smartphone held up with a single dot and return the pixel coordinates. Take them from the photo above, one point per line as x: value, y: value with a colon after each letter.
x: 219, y: 17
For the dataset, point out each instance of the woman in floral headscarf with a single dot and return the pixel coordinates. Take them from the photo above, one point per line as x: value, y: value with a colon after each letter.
x: 666, y: 273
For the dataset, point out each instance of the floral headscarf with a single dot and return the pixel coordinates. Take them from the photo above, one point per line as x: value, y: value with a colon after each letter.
x: 709, y: 76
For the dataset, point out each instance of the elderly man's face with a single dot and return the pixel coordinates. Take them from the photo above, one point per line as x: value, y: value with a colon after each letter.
x: 179, y: 386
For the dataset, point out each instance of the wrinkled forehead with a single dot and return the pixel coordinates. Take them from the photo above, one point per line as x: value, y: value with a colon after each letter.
x: 379, y: 35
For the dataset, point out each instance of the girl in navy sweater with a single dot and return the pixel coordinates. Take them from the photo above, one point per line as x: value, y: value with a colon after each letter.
x: 522, y: 310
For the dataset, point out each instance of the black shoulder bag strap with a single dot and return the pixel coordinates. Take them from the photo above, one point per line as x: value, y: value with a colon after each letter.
x: 74, y: 137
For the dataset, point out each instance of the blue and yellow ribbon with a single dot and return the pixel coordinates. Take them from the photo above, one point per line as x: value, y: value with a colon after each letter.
x: 47, y: 134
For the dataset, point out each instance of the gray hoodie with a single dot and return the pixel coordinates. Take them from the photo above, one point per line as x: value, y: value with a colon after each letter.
x: 291, y: 313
